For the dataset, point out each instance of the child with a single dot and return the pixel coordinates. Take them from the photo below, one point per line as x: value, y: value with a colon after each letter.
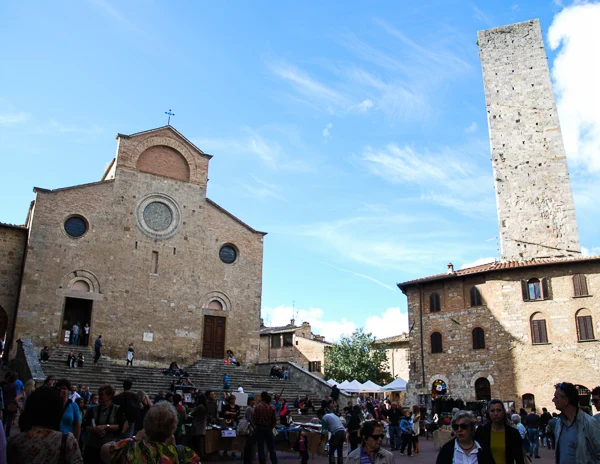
x: 303, y: 447
x: 80, y: 360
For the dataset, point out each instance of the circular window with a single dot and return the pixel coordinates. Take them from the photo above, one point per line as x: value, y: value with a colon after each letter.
x: 158, y: 216
x: 76, y: 226
x: 228, y: 254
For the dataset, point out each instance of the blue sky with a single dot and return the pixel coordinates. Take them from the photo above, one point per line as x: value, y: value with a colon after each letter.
x: 356, y: 135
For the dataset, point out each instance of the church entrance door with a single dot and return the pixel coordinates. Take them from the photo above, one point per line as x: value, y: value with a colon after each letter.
x: 80, y: 311
x: 213, y: 342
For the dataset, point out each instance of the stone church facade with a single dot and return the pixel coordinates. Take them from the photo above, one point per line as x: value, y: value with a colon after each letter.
x: 143, y: 256
x: 513, y: 328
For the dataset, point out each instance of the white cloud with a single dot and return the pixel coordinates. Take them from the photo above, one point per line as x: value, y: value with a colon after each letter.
x: 261, y: 189
x: 10, y: 119
x: 332, y: 330
x: 472, y: 128
x: 327, y: 129
x: 576, y: 35
x: 389, y: 323
x: 594, y: 251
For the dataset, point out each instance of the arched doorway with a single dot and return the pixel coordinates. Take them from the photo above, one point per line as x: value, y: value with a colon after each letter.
x: 584, y: 395
x: 438, y: 387
x: 483, y: 390
x: 528, y: 401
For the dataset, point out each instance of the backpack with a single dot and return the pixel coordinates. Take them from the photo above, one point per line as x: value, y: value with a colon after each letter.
x: 245, y: 428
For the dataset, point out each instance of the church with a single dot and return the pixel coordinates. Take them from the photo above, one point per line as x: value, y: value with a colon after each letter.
x: 142, y: 256
x: 513, y: 328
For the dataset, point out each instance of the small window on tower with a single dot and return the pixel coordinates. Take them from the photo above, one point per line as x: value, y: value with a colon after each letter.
x: 154, y: 265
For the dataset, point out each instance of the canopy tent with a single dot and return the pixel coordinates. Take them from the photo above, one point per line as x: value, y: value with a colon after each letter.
x: 370, y: 387
x: 332, y: 382
x: 397, y: 385
x: 343, y: 385
x: 353, y: 386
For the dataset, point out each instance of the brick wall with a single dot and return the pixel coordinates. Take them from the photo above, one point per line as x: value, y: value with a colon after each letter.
x: 12, y: 248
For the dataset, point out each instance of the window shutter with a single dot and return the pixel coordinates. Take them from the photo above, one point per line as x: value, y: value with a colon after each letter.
x: 525, y: 290
x: 545, y: 288
x: 539, y: 331
x: 543, y: 332
x: 585, y: 327
x: 580, y: 285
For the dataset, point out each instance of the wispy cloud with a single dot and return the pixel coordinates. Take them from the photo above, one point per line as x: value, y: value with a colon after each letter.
x: 261, y: 189
x: 328, y: 127
x: 56, y: 127
x: 478, y: 262
x: 471, y: 128
x: 112, y: 12
x: 11, y: 119
x: 482, y: 17
x: 362, y: 276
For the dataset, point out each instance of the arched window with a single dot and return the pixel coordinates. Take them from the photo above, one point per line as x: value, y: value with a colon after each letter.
x: 585, y: 325
x: 535, y: 289
x: 580, y: 285
x: 539, y: 333
x: 528, y: 400
x: 434, y: 303
x: 483, y: 390
x: 436, y: 342
x: 475, y: 296
x: 478, y: 338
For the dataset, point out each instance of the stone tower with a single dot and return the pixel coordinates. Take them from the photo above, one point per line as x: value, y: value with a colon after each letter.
x: 536, y: 215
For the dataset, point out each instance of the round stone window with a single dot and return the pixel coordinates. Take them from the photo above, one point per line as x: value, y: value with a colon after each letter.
x: 75, y: 226
x: 158, y: 216
x: 228, y: 254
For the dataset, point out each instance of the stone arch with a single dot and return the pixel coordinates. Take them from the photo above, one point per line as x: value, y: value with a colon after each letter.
x: 435, y: 377
x: 164, y: 161
x: 219, y: 297
x: 180, y: 148
x: 81, y: 275
x: 478, y: 375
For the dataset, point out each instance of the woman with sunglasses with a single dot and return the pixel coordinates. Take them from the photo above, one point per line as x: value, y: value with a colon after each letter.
x: 464, y: 449
x: 371, y: 434
x: 504, y: 441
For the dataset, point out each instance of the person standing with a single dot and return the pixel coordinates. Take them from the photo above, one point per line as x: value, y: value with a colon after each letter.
x: 406, y: 431
x: 86, y: 334
x: 129, y: 404
x: 97, y: 347
x: 577, y: 433
x: 353, y: 425
x: 550, y: 434
x: 371, y: 434
x: 393, y: 416
x: 103, y: 424
x: 416, y: 428
x: 251, y: 436
x: 544, y: 419
x: 338, y: 435
x: 465, y: 448
x: 596, y: 401
x: 198, y: 431
x: 499, y: 437
x: 129, y: 356
x: 265, y: 420
x: 532, y: 422
x: 71, y: 417
x: 75, y: 334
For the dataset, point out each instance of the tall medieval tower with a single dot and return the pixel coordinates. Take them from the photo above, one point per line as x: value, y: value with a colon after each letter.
x: 536, y: 214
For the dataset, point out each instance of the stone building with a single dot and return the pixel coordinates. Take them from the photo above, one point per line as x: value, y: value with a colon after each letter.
x: 142, y: 256
x: 398, y: 355
x: 295, y: 344
x: 512, y: 329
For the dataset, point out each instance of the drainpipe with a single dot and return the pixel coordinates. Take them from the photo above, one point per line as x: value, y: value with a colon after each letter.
x: 421, y: 323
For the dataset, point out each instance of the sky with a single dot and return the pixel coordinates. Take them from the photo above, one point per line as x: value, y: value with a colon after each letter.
x: 354, y: 133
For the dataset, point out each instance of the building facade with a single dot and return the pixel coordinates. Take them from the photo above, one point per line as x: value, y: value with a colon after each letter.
x: 508, y: 330
x: 143, y: 256
x: 398, y: 355
x: 295, y: 344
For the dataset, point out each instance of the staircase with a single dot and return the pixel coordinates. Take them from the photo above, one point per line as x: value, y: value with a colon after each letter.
x: 207, y: 374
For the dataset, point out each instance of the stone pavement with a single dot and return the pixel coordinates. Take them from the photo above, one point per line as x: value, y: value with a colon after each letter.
x: 427, y: 454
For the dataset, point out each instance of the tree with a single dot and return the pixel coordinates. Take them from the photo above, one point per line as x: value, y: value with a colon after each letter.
x: 357, y: 357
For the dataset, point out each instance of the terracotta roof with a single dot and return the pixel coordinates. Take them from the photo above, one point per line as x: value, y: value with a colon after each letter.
x: 12, y: 226
x: 497, y: 266
x: 403, y: 337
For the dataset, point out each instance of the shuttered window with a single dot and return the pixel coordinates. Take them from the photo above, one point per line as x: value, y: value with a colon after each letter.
x: 276, y: 341
x: 585, y: 328
x: 434, y: 303
x: 288, y: 339
x: 538, y: 331
x: 475, y: 297
x: 580, y: 285
x: 535, y: 289
x: 478, y: 338
x: 314, y: 366
x: 436, y: 342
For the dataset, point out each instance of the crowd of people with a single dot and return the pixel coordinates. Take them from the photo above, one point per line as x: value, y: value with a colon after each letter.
x: 61, y: 422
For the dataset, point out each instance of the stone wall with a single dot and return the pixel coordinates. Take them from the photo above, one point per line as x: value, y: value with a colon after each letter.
x: 510, y: 361
x: 536, y: 213
x: 398, y: 356
x: 161, y: 311
x: 13, y: 240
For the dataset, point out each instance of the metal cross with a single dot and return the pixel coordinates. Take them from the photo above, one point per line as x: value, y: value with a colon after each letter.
x: 170, y: 114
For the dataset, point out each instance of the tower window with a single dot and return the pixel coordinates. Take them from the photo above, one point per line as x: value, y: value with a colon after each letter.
x: 535, y: 289
x: 154, y: 264
x: 478, y: 338
x: 539, y: 333
x: 434, y: 303
x: 585, y: 325
x: 436, y: 342
x: 475, y: 296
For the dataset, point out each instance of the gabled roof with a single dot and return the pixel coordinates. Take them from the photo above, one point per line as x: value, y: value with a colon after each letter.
x: 498, y: 266
x: 223, y: 210
x: 40, y: 189
x: 171, y: 128
x: 282, y: 329
x: 403, y: 337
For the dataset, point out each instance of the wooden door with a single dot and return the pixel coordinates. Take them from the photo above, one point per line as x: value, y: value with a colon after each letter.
x: 213, y: 345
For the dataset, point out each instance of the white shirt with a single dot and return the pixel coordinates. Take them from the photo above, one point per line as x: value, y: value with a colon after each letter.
x: 73, y: 396
x: 460, y: 457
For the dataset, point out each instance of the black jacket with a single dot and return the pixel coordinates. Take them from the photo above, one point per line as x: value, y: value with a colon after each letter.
x: 514, y: 448
x: 446, y: 455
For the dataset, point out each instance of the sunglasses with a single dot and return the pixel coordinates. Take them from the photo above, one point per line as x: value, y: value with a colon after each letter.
x: 381, y: 436
x: 461, y: 426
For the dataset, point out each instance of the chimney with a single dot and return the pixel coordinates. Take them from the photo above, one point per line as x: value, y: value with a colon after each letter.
x: 450, y: 268
x: 262, y: 322
x: 293, y: 322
